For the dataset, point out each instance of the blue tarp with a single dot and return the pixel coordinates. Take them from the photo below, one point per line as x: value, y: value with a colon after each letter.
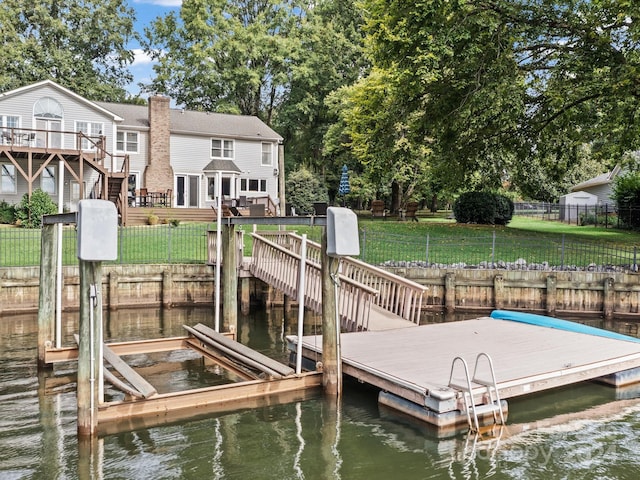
x: 550, y: 322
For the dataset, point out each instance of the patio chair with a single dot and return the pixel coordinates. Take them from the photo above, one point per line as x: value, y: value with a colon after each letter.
x: 411, y: 210
x: 378, y: 210
x: 320, y: 208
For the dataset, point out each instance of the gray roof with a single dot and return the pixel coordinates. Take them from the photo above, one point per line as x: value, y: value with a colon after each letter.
x: 197, y: 123
x: 602, y: 179
x: 222, y: 166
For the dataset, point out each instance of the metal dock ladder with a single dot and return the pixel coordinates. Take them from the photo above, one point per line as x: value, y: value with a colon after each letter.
x: 466, y: 385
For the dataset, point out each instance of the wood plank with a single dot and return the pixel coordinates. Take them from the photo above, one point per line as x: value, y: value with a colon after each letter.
x: 145, y: 388
x: 283, y: 370
x: 232, y: 353
x: 228, y: 397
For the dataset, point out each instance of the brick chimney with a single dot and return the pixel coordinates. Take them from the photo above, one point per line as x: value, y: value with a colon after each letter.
x: 158, y: 176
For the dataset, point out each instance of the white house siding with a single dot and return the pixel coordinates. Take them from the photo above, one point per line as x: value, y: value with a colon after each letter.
x: 190, y: 154
x: 603, y: 192
x: 73, y: 111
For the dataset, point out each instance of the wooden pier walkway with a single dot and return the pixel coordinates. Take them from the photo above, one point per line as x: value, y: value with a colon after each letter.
x: 412, y: 366
x: 369, y: 298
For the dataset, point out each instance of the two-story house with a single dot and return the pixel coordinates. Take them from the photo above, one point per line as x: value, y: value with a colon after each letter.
x: 149, y: 156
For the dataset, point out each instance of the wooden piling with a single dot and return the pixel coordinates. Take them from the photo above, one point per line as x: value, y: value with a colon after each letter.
x: 608, y: 298
x: 552, y: 284
x: 245, y: 296
x: 167, y: 283
x: 331, y: 378
x: 229, y: 278
x: 450, y: 291
x: 498, y: 291
x: 89, y: 347
x: 47, y: 301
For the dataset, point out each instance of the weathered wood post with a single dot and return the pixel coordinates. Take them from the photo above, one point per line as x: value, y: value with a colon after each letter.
x: 97, y: 241
x: 90, y: 346
x: 331, y: 379
x: 608, y: 298
x: 46, y: 301
x: 552, y: 285
x: 498, y: 292
x: 229, y: 277
x: 450, y: 291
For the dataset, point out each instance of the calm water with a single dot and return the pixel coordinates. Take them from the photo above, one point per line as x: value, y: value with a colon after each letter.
x: 587, y: 431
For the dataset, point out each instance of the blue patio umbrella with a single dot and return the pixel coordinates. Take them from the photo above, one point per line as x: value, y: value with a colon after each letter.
x: 344, y: 187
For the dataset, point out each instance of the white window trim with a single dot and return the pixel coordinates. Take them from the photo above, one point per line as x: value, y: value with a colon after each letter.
x: 100, y: 126
x: 15, y: 178
x: 54, y: 179
x: 262, y: 152
x: 125, y: 143
x: 223, y: 140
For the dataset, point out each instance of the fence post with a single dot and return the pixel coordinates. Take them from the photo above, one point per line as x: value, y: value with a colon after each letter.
x: 493, y: 249
x: 427, y: 252
x: 562, y: 253
x: 168, y: 243
x: 363, y: 245
x: 120, y: 244
x: 635, y: 264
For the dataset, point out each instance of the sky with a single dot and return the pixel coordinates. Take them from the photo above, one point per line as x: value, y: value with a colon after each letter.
x: 146, y: 12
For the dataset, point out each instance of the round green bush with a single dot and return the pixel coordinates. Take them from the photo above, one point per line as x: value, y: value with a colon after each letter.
x: 29, y: 211
x: 483, y: 208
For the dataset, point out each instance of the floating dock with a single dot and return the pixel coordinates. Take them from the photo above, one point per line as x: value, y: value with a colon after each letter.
x: 413, y: 367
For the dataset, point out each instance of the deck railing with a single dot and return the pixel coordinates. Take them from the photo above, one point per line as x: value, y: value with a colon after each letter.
x: 396, y: 294
x: 280, y: 267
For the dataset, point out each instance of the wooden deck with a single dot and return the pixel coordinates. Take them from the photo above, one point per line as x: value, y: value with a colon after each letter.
x: 414, y: 364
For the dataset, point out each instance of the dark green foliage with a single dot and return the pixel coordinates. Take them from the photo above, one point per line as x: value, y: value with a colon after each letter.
x: 626, y: 193
x: 304, y: 188
x: 7, y: 213
x: 30, y: 211
x: 483, y: 208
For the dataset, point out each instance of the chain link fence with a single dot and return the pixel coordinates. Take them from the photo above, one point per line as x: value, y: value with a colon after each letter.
x: 185, y: 243
x: 494, y: 251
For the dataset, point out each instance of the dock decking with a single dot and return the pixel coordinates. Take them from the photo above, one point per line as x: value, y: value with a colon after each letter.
x: 414, y: 364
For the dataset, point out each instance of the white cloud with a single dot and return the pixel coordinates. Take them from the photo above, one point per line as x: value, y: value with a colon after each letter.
x: 140, y: 58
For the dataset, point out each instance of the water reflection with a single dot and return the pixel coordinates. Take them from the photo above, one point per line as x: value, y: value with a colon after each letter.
x: 583, y: 431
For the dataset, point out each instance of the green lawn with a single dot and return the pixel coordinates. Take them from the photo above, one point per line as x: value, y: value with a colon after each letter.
x: 432, y: 239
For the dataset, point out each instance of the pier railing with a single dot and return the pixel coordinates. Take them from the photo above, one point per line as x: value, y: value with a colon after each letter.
x: 396, y: 294
x: 280, y: 266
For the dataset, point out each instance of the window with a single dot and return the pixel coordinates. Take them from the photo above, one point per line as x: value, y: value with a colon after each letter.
x: 8, y: 178
x: 48, y: 180
x: 127, y: 142
x: 47, y: 107
x: 92, y: 130
x: 9, y: 121
x: 267, y: 156
x: 221, y: 148
x: 253, y: 185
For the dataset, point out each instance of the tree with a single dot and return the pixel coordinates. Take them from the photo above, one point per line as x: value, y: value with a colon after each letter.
x: 303, y: 189
x: 500, y: 88
x: 229, y: 56
x: 80, y: 44
x: 332, y: 41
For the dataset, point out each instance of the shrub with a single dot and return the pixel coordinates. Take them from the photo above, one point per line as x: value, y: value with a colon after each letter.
x: 303, y: 189
x: 483, y: 208
x: 626, y: 193
x: 7, y: 213
x: 29, y: 211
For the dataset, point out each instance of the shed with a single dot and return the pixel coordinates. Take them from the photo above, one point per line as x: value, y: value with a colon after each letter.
x: 571, y: 203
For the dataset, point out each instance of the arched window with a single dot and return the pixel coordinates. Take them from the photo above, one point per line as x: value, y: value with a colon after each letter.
x: 47, y: 107
x: 48, y: 114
